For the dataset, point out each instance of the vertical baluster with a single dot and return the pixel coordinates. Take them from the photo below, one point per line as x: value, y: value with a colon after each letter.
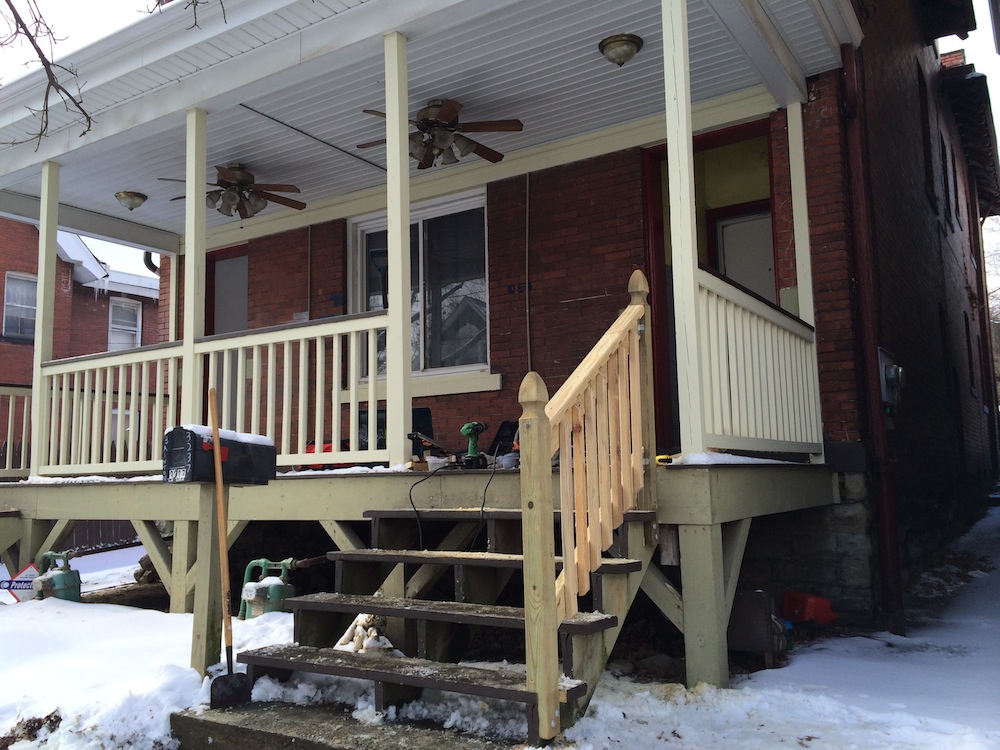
x: 119, y: 406
x: 257, y: 353
x: 286, y: 398
x: 625, y: 424
x: 567, y: 521
x: 582, y: 520
x: 336, y: 379
x: 303, y: 395
x: 241, y: 389
x: 319, y: 389
x: 372, y: 350
x: 354, y: 379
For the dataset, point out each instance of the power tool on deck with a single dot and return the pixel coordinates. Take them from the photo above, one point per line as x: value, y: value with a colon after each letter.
x: 473, y: 458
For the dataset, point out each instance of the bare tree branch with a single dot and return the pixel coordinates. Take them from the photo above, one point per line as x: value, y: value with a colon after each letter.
x: 32, y: 31
x: 38, y: 34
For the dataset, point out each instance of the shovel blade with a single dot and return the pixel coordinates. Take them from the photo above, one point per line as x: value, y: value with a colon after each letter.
x: 230, y: 690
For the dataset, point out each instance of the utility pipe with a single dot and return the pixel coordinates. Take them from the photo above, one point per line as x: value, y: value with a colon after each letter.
x: 867, y: 307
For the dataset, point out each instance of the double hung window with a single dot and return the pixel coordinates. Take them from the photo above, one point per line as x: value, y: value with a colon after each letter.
x: 124, y: 324
x: 19, y: 302
x: 448, y: 286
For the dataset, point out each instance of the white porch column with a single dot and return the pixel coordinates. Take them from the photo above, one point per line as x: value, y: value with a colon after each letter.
x: 803, y: 247
x: 194, y: 265
x: 45, y: 306
x: 399, y: 348
x: 800, y: 212
x: 682, y: 222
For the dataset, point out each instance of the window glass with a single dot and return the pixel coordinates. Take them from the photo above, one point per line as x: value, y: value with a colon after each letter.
x: 448, y: 301
x: 125, y: 325
x: 19, y: 306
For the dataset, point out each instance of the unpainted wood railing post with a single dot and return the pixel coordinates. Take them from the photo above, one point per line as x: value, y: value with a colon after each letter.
x: 541, y: 620
x: 638, y: 289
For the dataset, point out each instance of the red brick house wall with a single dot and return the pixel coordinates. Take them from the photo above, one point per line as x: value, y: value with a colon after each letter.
x: 81, y: 313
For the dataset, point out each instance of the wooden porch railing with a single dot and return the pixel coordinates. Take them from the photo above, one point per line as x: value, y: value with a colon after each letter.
x: 760, y: 390
x: 306, y: 386
x: 599, y: 422
x: 106, y: 413
x: 15, y: 413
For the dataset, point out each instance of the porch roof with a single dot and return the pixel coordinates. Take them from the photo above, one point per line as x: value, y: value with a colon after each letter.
x: 284, y: 83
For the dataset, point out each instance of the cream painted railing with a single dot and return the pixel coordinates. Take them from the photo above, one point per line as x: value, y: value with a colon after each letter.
x: 15, y: 410
x: 599, y: 422
x: 305, y: 386
x: 106, y: 413
x: 759, y: 382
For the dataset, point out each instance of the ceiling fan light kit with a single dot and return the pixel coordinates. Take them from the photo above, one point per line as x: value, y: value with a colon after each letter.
x: 439, y: 138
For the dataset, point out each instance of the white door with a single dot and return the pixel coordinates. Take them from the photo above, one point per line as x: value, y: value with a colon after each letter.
x: 746, y: 253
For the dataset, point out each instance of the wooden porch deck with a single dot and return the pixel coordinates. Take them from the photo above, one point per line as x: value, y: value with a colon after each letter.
x: 704, y: 514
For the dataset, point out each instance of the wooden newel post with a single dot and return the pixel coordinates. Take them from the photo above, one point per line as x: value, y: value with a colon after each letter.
x: 541, y: 621
x: 638, y: 289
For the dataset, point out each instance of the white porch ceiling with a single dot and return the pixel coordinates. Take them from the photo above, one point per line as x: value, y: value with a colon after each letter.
x: 315, y: 64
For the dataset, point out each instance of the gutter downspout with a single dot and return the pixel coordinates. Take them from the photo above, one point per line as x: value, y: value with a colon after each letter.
x: 867, y: 304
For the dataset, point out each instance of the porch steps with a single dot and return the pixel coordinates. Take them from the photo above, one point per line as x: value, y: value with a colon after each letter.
x: 432, y: 624
x: 472, y: 559
x: 465, y: 613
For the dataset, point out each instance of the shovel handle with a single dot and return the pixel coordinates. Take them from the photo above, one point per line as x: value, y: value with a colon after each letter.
x: 220, y: 510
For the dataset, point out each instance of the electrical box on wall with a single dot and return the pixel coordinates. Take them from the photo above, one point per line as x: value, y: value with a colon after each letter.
x: 890, y: 377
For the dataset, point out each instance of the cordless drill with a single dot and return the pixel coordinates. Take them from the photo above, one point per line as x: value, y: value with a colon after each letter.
x: 473, y: 458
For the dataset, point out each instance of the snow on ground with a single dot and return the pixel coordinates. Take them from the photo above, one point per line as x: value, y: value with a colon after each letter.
x: 114, y: 674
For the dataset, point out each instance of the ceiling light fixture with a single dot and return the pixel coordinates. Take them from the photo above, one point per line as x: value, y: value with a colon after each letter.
x: 620, y: 48
x: 130, y: 199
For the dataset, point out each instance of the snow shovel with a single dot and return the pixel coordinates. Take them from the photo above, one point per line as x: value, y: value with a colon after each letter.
x: 230, y: 689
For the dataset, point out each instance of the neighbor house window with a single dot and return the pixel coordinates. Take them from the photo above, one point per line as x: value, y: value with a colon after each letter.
x: 19, y: 295
x: 448, y: 300
x: 124, y: 324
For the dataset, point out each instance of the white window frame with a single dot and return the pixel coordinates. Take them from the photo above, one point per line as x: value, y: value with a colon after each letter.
x: 20, y: 277
x: 137, y: 332
x: 438, y: 380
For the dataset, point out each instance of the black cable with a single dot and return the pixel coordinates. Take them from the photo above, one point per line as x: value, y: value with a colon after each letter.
x: 482, y: 508
x: 416, y: 513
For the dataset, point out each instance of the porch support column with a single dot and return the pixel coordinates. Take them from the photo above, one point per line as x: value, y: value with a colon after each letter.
x: 800, y: 212
x: 803, y: 248
x: 682, y: 222
x: 706, y: 616
x: 45, y: 306
x: 194, y: 265
x: 398, y: 345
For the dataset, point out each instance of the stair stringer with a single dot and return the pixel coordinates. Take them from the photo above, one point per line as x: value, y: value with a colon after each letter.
x: 586, y: 656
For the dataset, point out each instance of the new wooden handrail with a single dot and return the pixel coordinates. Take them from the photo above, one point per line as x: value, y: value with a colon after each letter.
x: 595, y: 421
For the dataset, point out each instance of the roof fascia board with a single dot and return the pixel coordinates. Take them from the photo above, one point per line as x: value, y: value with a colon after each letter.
x: 843, y: 20
x: 141, y: 44
x: 219, y: 86
x: 731, y: 109
x: 73, y: 250
x: 753, y: 31
x: 26, y: 208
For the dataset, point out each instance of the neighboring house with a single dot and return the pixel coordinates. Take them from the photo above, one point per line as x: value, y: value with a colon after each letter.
x: 97, y: 309
x: 807, y: 215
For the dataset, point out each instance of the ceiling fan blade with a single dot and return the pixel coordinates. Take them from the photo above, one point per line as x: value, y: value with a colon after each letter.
x: 486, y: 152
x: 170, y: 179
x: 373, y: 112
x: 271, y: 197
x: 179, y: 198
x: 241, y: 209
x: 258, y: 186
x: 496, y: 126
x: 227, y: 174
x: 428, y: 158
x: 449, y: 111
x: 369, y: 144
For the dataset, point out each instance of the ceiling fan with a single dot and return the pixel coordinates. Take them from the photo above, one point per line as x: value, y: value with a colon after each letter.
x: 440, y: 138
x: 236, y: 191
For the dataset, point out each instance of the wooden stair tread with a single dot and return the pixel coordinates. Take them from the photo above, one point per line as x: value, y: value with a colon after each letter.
x: 458, y: 557
x: 474, y: 514
x: 489, y: 682
x: 443, y: 611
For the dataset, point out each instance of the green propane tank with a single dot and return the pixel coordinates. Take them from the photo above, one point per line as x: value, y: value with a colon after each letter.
x: 55, y: 581
x: 269, y: 591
